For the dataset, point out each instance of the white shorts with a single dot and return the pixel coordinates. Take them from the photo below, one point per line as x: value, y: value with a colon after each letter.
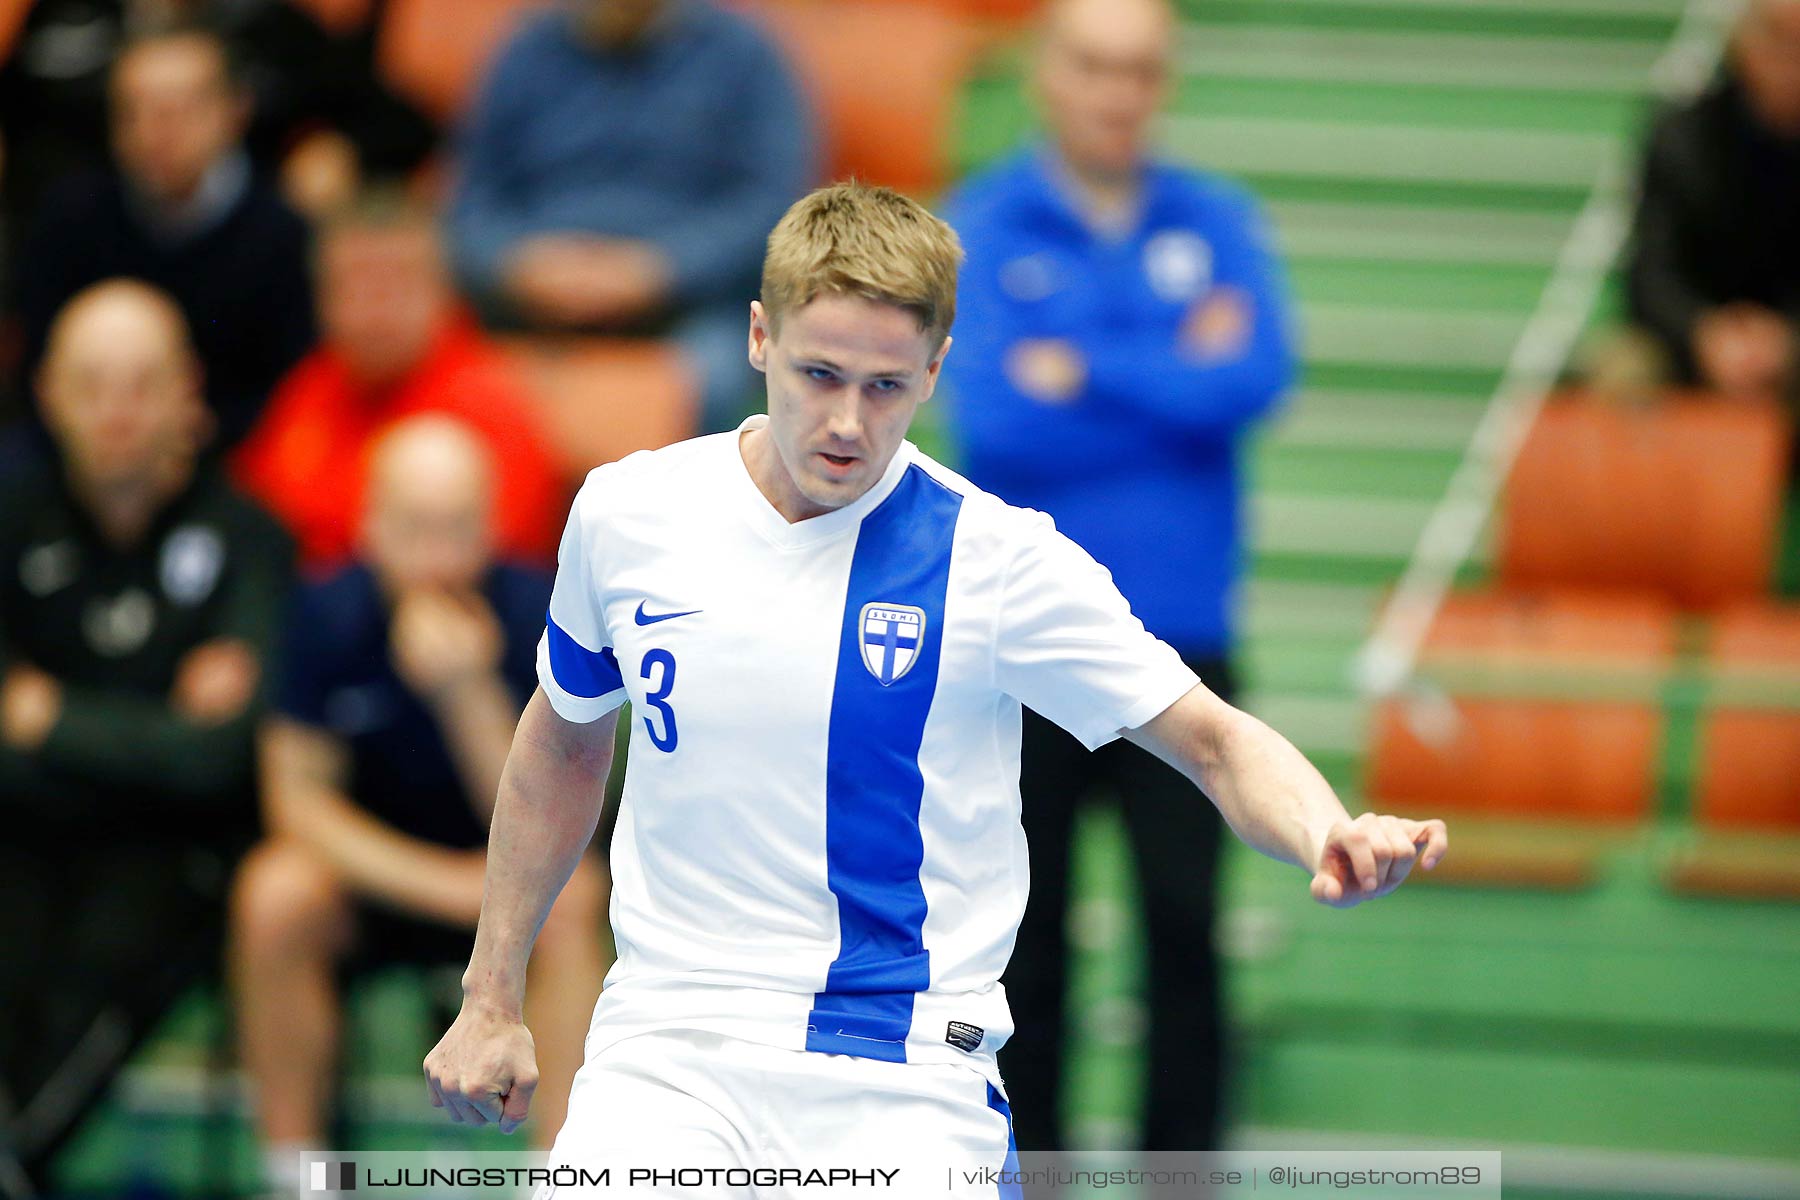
x: 728, y: 1112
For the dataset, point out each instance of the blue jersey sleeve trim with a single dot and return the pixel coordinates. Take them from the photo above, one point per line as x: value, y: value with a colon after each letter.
x: 582, y: 673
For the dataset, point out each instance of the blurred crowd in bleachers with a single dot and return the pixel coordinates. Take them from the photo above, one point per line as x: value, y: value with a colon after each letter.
x: 315, y: 312
x: 276, y: 515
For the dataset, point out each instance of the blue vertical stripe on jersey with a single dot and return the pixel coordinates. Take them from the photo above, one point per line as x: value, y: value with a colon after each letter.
x: 873, y: 784
x: 1008, y: 1189
x: 579, y: 671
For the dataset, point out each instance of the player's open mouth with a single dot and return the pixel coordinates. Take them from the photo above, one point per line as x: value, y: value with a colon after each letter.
x: 838, y: 464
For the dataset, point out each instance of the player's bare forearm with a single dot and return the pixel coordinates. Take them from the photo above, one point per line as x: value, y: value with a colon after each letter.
x: 545, y: 814
x: 1279, y: 804
x: 1267, y: 792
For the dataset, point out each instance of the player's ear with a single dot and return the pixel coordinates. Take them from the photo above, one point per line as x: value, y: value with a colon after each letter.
x: 935, y: 367
x: 759, y: 337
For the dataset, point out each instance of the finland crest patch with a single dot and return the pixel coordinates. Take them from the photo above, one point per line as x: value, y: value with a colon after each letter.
x: 891, y: 637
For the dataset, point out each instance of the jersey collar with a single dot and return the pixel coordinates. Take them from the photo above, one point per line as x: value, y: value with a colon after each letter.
x: 777, y: 529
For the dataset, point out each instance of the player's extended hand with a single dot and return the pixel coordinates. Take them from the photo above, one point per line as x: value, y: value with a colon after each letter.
x: 1372, y: 855
x: 484, y: 1069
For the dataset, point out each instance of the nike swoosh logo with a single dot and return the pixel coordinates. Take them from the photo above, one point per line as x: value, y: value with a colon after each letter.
x: 644, y: 618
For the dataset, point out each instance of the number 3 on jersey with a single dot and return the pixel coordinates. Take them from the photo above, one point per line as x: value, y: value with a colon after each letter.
x: 659, y: 699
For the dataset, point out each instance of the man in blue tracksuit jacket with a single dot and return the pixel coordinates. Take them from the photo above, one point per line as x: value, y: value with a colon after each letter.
x: 1123, y: 325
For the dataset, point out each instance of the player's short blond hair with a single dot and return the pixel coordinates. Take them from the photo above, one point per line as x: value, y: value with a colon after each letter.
x: 857, y: 240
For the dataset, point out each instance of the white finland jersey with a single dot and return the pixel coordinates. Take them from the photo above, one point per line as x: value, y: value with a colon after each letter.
x: 819, y: 846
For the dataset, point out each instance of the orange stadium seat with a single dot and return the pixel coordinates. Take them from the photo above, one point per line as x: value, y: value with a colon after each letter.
x: 1537, y: 735
x: 1745, y: 843
x: 1749, y: 743
x: 437, y: 60
x: 1681, y: 499
x: 1548, y: 709
x: 1536, y: 758
x: 604, y: 398
x: 883, y: 76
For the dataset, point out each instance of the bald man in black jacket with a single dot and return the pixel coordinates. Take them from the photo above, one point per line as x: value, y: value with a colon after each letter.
x: 139, y: 597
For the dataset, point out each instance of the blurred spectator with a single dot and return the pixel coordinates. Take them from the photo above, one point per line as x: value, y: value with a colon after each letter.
x: 316, y: 101
x: 1714, y: 271
x: 404, y: 678
x: 321, y: 114
x: 138, y: 599
x: 395, y: 343
x: 620, y: 173
x: 182, y: 210
x: 1123, y: 326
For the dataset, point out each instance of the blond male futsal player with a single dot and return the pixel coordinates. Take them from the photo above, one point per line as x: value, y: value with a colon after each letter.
x: 826, y: 638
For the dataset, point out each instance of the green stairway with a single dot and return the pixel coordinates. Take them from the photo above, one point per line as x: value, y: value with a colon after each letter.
x: 1424, y: 162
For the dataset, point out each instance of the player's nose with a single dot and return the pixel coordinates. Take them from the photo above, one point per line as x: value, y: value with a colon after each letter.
x: 844, y: 421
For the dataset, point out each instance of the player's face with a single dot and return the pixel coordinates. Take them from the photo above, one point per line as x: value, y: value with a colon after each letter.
x: 845, y: 376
